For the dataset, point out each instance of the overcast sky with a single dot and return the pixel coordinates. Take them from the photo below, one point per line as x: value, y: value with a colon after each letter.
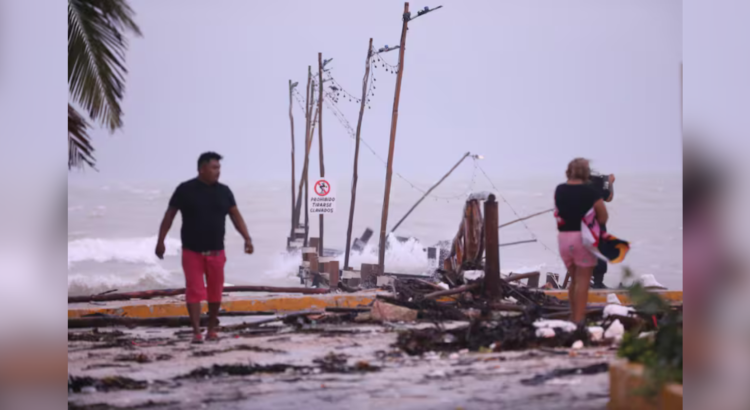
x: 528, y: 84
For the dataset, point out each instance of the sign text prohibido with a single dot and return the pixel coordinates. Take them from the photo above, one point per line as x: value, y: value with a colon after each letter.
x: 322, y: 197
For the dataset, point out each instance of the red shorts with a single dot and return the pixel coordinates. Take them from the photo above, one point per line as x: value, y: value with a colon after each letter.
x: 196, y: 265
x: 573, y: 252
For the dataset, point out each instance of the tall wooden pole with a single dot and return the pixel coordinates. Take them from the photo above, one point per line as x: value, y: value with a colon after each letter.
x: 291, y: 121
x: 492, y: 250
x: 308, y: 147
x: 356, y: 156
x: 307, y: 168
x: 320, y: 140
x: 298, y: 207
x: 303, y: 181
x: 429, y: 191
x: 394, y: 121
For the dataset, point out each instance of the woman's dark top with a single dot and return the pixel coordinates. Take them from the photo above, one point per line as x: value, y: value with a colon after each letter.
x: 572, y: 203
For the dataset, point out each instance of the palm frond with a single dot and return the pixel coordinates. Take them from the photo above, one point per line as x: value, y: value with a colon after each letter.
x: 96, y: 56
x: 80, y: 151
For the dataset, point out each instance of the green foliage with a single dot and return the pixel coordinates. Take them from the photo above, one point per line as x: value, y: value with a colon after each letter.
x: 661, y: 354
x: 96, y: 68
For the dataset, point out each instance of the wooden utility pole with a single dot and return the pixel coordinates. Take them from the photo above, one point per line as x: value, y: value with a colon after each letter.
x: 356, y: 156
x: 310, y: 131
x: 303, y: 180
x: 492, y: 249
x: 429, y: 191
x: 394, y: 121
x: 320, y: 140
x: 291, y: 121
x: 307, y: 167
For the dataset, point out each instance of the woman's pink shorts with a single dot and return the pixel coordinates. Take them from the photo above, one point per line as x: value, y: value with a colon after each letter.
x: 198, y: 264
x: 573, y: 252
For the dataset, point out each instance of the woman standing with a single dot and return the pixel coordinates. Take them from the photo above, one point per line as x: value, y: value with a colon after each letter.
x: 573, y: 200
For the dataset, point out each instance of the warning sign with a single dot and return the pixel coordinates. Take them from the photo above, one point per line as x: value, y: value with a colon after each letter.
x: 322, y: 197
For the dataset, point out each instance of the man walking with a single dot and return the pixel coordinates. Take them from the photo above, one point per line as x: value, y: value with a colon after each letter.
x: 604, y: 186
x: 204, y: 204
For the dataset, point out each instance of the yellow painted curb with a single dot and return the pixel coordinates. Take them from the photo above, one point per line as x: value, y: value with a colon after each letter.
x: 155, y: 308
x: 626, y: 378
x: 281, y: 303
x: 600, y: 296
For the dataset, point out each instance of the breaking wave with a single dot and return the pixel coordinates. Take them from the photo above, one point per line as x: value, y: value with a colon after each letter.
x: 135, y: 250
x: 151, y: 278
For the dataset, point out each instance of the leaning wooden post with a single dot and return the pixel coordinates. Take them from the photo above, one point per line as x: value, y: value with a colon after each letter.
x: 356, y: 157
x: 303, y: 178
x: 394, y: 121
x: 492, y: 249
x: 429, y: 191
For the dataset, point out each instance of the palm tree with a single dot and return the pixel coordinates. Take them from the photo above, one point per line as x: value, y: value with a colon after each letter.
x: 96, y: 69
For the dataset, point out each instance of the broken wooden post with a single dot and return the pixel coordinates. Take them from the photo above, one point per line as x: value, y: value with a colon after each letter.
x: 369, y: 274
x: 315, y: 243
x: 314, y: 267
x: 333, y: 274
x: 492, y: 251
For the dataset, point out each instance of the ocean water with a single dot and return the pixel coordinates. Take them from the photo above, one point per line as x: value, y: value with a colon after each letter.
x: 112, y: 229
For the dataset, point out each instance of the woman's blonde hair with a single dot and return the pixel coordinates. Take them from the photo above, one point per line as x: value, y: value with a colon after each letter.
x: 579, y: 169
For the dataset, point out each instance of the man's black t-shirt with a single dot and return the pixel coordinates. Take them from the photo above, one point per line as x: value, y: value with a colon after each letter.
x: 572, y: 202
x: 601, y: 184
x: 204, y: 209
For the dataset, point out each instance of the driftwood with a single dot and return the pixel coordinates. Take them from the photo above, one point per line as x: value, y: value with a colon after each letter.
x: 564, y: 314
x: 149, y: 294
x: 517, y: 277
x: 241, y: 326
x: 105, y: 321
x: 460, y: 289
x: 173, y: 321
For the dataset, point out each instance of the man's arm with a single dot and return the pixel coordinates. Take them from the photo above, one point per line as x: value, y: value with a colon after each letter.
x: 175, y: 203
x: 239, y: 222
x: 166, y: 224
x: 239, y: 225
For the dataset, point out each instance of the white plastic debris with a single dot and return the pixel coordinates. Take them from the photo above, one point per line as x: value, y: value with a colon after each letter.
x: 596, y: 332
x: 444, y: 285
x: 473, y: 274
x: 649, y: 281
x: 615, y: 331
x: 617, y: 310
x: 577, y: 345
x: 612, y: 299
x: 88, y: 390
x: 453, y: 356
x: 545, y: 332
x: 565, y: 325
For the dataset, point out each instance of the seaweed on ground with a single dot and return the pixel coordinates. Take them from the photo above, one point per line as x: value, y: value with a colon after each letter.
x: 76, y: 383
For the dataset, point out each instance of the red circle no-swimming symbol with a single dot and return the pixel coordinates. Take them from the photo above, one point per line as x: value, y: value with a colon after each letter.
x: 322, y: 187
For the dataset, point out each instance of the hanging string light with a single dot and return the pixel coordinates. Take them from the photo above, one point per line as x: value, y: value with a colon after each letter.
x: 533, y: 235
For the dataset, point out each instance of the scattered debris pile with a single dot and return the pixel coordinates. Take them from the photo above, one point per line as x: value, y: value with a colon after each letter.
x: 506, y: 333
